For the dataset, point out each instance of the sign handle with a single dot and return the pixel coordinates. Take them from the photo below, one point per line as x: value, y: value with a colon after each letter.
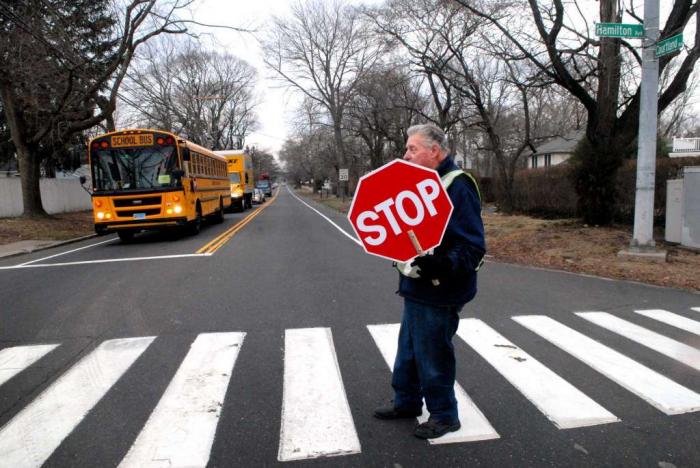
x: 419, y: 249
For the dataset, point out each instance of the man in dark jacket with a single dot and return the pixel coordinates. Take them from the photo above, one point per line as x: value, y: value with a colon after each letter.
x: 425, y: 361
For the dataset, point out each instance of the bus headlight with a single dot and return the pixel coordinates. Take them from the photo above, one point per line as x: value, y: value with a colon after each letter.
x: 100, y: 215
x: 177, y: 209
x: 237, y: 193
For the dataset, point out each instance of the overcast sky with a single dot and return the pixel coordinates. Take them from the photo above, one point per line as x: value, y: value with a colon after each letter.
x: 278, y: 103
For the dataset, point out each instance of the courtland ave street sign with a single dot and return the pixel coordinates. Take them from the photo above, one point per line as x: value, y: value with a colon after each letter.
x: 634, y: 31
x: 395, y: 202
x: 669, y: 45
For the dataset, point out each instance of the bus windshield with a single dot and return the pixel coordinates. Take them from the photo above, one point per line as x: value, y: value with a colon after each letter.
x: 235, y: 178
x: 134, y: 168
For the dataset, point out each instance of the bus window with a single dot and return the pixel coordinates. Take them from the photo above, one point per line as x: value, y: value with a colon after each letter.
x: 134, y: 168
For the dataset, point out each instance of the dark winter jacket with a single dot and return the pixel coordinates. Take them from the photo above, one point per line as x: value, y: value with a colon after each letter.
x: 463, y: 244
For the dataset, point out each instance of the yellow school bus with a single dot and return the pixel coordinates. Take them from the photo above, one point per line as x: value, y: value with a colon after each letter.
x: 152, y: 179
x: 240, y: 173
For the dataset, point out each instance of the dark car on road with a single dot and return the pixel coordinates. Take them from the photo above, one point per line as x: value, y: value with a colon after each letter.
x: 265, y: 186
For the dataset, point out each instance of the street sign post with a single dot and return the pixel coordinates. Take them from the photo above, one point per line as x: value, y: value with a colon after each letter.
x: 631, y: 31
x: 669, y: 45
x: 395, y: 200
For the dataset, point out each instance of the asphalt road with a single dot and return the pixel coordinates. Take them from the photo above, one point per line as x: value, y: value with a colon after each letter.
x: 257, y: 349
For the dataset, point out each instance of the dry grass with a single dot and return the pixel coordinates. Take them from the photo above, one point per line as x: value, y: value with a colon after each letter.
x: 57, y: 227
x: 572, y: 246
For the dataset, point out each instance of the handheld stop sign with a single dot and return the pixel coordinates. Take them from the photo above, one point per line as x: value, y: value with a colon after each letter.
x: 400, y: 210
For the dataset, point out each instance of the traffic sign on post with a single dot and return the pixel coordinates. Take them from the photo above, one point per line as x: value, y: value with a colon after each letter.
x: 669, y: 45
x: 394, y: 200
x: 632, y: 31
x: 343, y: 174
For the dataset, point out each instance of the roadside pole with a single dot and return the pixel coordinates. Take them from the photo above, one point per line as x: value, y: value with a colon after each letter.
x: 642, y: 243
x: 643, y: 234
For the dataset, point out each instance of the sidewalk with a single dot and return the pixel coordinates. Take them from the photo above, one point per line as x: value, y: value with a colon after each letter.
x: 29, y: 246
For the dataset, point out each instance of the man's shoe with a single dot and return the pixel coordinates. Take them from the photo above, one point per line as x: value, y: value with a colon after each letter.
x: 432, y: 428
x: 392, y: 412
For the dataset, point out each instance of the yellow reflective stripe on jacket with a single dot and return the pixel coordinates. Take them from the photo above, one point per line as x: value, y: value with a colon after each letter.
x: 450, y: 176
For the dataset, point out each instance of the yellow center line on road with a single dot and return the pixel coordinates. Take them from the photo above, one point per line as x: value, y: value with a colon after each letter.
x: 216, y: 243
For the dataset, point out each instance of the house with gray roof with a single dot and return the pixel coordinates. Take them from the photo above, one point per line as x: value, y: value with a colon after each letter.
x: 555, y: 151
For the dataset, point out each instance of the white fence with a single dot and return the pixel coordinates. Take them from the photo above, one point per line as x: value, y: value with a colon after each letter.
x: 57, y: 196
x: 682, y: 145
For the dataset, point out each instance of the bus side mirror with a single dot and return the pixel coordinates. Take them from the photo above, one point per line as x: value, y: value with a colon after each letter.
x: 177, y: 175
x: 82, y: 180
x: 185, y: 154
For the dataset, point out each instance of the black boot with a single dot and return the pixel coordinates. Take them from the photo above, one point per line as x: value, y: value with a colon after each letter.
x: 432, y: 428
x: 392, y: 412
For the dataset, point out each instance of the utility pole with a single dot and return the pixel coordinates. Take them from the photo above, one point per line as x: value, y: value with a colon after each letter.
x: 643, y: 235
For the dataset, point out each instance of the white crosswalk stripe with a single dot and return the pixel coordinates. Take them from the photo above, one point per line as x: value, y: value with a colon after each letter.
x: 674, y: 349
x: 180, y: 431
x: 672, y: 319
x: 659, y: 391
x: 31, y: 436
x: 14, y: 360
x: 475, y: 426
x: 696, y: 309
x: 560, y: 401
x: 316, y: 418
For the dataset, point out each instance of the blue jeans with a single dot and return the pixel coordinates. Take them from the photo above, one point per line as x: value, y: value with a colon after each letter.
x: 425, y: 361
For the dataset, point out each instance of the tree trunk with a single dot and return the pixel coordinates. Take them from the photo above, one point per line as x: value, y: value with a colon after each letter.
x: 600, y: 158
x: 28, y: 161
x: 29, y: 168
x: 109, y: 120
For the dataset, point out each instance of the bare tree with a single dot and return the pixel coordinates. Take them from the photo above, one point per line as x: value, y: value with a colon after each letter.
x: 678, y: 117
x: 322, y: 50
x: 591, y: 71
x: 206, y: 96
x: 383, y: 107
x: 62, y: 65
x: 472, y: 82
x: 264, y: 163
x: 418, y: 27
x: 308, y: 156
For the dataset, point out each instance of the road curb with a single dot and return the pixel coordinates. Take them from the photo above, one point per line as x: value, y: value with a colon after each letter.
x: 28, y: 250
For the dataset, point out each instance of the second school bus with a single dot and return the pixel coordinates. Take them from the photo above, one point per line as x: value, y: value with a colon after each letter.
x: 240, y: 172
x: 152, y: 179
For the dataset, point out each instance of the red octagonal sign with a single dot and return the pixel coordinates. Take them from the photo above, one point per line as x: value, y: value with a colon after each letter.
x: 397, y: 198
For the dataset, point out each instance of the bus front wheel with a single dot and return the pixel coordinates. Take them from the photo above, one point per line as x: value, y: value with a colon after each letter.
x: 126, y: 236
x: 196, y: 224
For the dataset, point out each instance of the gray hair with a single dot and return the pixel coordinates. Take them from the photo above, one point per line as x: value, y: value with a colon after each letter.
x: 432, y: 133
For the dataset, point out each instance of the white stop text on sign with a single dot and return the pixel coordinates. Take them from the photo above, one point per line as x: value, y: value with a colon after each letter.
x: 420, y: 201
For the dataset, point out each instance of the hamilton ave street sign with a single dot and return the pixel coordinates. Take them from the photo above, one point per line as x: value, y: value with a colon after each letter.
x: 634, y: 31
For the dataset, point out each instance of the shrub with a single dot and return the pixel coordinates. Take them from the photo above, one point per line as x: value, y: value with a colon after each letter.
x: 549, y: 192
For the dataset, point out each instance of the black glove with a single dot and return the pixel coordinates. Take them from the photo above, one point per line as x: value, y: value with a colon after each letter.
x: 433, y: 266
